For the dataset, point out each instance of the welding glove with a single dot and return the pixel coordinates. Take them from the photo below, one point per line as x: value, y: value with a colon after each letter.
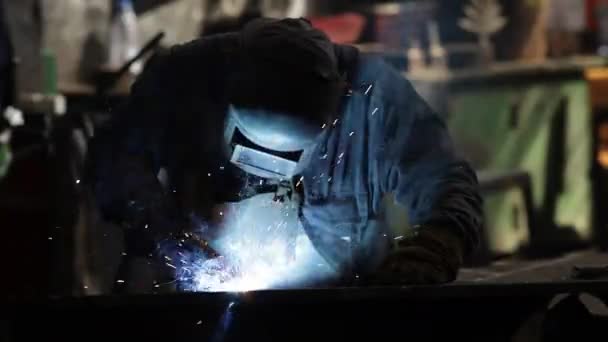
x: 429, y: 256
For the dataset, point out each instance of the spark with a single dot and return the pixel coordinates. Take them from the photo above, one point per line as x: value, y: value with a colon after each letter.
x: 261, y: 182
x: 329, y: 179
x: 351, y: 134
x: 346, y: 238
x: 221, y: 213
x: 173, y: 267
x: 50, y: 238
x: 156, y: 286
x: 85, y: 287
x: 341, y: 155
x: 399, y: 238
x: 324, y: 156
x: 199, y: 322
x: 324, y: 125
x: 375, y: 111
x: 120, y: 281
x: 209, y: 174
x: 368, y: 89
x: 167, y: 258
x: 146, y: 226
x: 124, y: 254
x: 335, y: 122
x: 78, y: 181
x: 222, y: 168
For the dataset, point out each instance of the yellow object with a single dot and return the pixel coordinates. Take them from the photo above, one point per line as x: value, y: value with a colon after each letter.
x: 598, y: 86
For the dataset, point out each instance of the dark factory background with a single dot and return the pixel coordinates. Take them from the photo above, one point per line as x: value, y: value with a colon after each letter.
x: 523, y: 90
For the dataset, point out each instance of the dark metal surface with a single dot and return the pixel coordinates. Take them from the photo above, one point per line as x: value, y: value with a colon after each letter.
x: 489, y: 312
x: 320, y: 296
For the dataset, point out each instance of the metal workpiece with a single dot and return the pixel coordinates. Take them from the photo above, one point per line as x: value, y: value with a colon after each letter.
x: 488, y: 312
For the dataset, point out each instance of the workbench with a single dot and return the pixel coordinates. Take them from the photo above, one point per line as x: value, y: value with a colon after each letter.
x: 462, y: 311
x: 517, y: 269
x: 507, y: 301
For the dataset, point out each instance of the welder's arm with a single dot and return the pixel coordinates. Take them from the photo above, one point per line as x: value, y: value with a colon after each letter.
x: 125, y: 157
x: 439, y: 189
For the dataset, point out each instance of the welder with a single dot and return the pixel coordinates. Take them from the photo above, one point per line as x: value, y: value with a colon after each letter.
x: 277, y: 107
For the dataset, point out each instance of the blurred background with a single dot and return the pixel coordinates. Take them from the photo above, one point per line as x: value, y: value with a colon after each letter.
x: 522, y: 84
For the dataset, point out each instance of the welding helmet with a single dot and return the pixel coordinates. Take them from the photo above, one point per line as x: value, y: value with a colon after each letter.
x: 283, y: 91
x: 270, y: 144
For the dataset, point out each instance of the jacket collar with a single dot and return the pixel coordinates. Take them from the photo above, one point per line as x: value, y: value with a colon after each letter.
x: 348, y: 61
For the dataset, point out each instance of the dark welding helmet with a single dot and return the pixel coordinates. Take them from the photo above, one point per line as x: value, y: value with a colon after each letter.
x: 270, y: 144
x: 283, y: 91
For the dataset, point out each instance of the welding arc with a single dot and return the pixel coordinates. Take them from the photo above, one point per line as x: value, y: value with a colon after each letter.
x: 204, y: 246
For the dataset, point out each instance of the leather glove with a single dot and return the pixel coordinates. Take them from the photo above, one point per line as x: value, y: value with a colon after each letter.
x: 430, y: 256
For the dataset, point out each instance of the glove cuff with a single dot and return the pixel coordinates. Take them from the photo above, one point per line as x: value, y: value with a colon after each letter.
x: 445, y: 244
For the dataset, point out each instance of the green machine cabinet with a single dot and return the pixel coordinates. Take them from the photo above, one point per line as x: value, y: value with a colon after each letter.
x: 5, y: 158
x: 534, y: 119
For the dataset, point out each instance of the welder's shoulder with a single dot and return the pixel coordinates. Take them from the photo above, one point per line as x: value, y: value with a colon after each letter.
x: 391, y: 85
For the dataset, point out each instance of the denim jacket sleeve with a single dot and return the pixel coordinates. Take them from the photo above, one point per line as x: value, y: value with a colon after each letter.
x: 424, y: 171
x: 125, y: 154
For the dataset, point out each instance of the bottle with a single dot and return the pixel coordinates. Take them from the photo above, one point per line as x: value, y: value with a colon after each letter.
x: 124, y: 36
x: 437, y: 52
x: 415, y: 57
